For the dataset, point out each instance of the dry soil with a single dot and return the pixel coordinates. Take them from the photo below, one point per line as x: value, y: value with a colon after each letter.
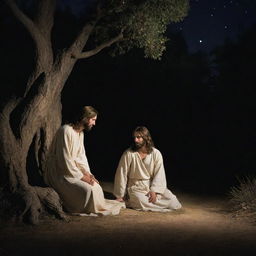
x: 203, y: 227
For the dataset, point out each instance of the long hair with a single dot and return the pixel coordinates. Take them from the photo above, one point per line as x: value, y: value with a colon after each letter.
x: 145, y: 134
x: 85, y: 112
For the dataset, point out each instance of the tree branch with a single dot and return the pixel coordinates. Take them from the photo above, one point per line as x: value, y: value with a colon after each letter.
x: 78, y: 45
x: 82, y: 38
x: 40, y: 31
x: 94, y: 51
x: 24, y: 19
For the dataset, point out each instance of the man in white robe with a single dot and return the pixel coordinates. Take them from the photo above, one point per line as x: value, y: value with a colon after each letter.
x: 140, y: 176
x: 68, y: 171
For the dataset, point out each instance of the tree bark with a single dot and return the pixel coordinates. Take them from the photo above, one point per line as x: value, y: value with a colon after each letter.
x: 39, y: 124
x: 28, y: 124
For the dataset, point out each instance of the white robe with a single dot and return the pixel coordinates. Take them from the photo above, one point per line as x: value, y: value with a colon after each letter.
x: 136, y: 177
x: 65, y: 167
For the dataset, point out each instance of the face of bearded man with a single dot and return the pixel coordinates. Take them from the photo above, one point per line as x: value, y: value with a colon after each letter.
x: 140, y: 144
x: 87, y: 124
x: 138, y: 141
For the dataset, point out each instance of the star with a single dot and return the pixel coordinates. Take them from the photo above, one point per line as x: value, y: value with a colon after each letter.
x: 204, y: 19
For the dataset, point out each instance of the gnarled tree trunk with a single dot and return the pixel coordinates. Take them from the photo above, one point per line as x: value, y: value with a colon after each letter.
x: 41, y: 117
x: 28, y: 124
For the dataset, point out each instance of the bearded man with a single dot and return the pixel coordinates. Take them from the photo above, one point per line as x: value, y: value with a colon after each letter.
x: 140, y: 178
x: 68, y: 171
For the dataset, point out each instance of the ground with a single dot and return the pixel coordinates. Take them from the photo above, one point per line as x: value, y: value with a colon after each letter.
x: 203, y: 227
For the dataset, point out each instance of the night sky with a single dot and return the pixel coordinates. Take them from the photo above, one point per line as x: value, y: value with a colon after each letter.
x: 211, y: 22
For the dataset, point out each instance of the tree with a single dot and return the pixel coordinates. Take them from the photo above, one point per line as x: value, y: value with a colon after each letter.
x: 29, y: 122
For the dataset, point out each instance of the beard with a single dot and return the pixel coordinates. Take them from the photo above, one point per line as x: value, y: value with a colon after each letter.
x: 86, y: 126
x: 139, y: 145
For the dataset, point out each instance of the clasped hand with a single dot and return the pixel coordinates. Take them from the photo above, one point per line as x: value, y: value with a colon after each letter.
x: 89, y: 178
x: 152, y: 196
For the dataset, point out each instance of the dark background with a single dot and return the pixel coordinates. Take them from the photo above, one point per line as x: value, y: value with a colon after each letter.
x: 205, y: 130
x: 199, y: 105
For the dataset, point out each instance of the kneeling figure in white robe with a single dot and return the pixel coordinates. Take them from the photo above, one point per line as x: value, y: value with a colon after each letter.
x: 136, y: 177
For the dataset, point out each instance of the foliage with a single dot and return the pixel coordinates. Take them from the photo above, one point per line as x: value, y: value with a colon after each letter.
x: 243, y: 196
x: 143, y: 23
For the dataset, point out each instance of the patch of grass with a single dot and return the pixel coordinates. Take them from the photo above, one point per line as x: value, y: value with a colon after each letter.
x: 243, y: 197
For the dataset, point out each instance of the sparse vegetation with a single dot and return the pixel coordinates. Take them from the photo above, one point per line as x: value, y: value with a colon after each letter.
x: 243, y: 198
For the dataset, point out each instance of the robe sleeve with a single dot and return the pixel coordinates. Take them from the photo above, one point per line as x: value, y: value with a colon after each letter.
x: 158, y: 183
x: 81, y: 159
x: 65, y: 161
x: 121, y: 175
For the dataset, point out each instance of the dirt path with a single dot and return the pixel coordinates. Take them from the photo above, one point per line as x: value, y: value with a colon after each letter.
x: 202, y: 227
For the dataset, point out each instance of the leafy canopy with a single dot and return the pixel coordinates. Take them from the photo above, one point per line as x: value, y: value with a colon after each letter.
x: 143, y: 23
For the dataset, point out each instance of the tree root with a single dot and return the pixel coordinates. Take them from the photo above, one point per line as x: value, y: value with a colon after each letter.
x: 38, y: 199
x: 51, y: 201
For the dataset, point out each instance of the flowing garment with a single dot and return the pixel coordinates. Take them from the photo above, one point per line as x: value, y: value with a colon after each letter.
x: 66, y: 165
x: 135, y: 177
